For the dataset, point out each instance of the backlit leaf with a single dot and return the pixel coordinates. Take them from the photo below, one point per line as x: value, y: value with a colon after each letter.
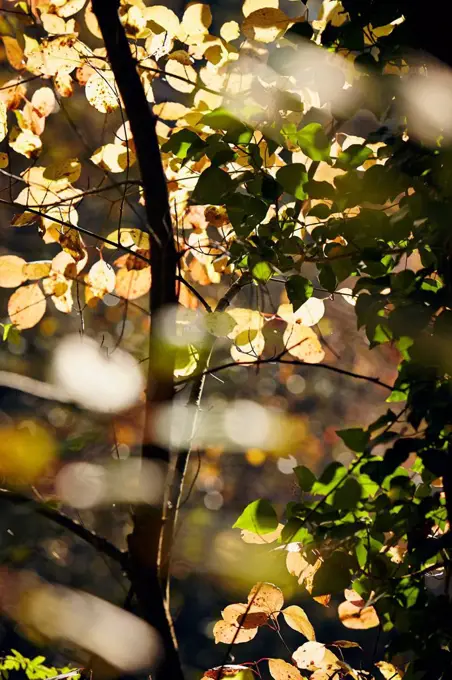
x: 229, y: 633
x: 12, y: 271
x: 101, y: 92
x: 267, y: 597
x: 27, y: 306
x: 357, y: 618
x: 303, y: 344
x: 265, y: 25
x: 258, y: 517
x: 281, y: 670
x: 292, y: 178
x: 296, y: 618
x: 132, y: 284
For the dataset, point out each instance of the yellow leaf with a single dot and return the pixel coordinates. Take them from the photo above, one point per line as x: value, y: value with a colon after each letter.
x: 245, y: 319
x: 281, y: 670
x: 163, y: 17
x: 265, y: 25
x: 101, y: 278
x: 250, y: 6
x: 357, y: 617
x: 388, y: 671
x: 267, y: 597
x: 186, y: 361
x: 230, y: 31
x: 113, y: 157
x: 170, y: 110
x: 63, y: 172
x: 249, y: 345
x: 197, y: 18
x: 132, y: 284
x: 309, y: 314
x: 24, y: 142
x: 43, y: 100
x: 14, y: 52
x: 101, y: 92
x: 69, y: 7
x: 64, y: 84
x: 296, y: 618
x: 91, y: 21
x: 37, y: 270
x: 219, y: 324
x: 4, y: 160
x: 181, y: 77
x: 11, y: 271
x: 27, y: 306
x: 245, y: 615
x: 53, y: 24
x: 228, y: 633
x: 128, y: 237
x: 59, y: 56
x: 303, y: 343
x: 315, y: 656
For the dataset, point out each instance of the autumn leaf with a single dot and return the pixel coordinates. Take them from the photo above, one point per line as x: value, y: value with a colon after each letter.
x: 297, y: 619
x: 357, y: 617
x: 281, y: 670
x: 132, y: 284
x: 27, y: 306
x: 267, y: 597
x: 229, y: 633
x: 12, y: 271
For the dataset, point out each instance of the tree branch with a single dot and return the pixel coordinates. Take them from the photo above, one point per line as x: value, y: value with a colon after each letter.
x: 175, y: 498
x: 145, y: 537
x: 98, y: 542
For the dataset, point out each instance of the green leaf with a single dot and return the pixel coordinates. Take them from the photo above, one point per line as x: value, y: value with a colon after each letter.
x: 355, y: 438
x: 347, y: 495
x: 299, y: 290
x: 262, y: 272
x: 313, y: 141
x: 212, y: 186
x: 182, y: 143
x: 259, y: 517
x: 220, y: 119
x: 292, y: 178
x: 353, y: 157
x: 329, y: 479
x: 305, y: 477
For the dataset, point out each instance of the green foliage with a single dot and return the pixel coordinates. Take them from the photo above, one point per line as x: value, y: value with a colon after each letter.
x: 34, y: 669
x: 258, y: 517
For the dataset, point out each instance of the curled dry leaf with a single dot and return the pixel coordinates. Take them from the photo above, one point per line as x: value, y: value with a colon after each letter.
x: 267, y: 597
x: 12, y: 271
x: 27, y: 306
x: 303, y: 343
x: 296, y: 618
x: 281, y: 670
x: 229, y: 633
x: 132, y: 284
x: 315, y: 656
x: 357, y: 617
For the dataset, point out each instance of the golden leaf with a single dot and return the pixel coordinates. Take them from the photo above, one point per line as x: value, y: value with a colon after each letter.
x: 43, y: 100
x: 296, y: 618
x: 132, y: 284
x: 230, y: 31
x: 64, y: 84
x: 101, y: 279
x: 180, y: 76
x: 11, y: 271
x: 113, y: 157
x: 197, y: 18
x: 170, y: 110
x: 267, y: 597
x: 228, y: 633
x: 303, y: 344
x: 27, y: 306
x: 250, y: 6
x: 14, y: 52
x: 24, y: 142
x: 34, y: 271
x: 315, y: 656
x: 164, y: 17
x: 245, y: 616
x: 281, y: 670
x: 265, y: 25
x: 357, y: 617
x: 69, y: 7
x: 389, y: 671
x: 101, y: 92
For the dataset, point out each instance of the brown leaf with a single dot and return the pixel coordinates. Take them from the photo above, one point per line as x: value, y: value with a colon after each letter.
x: 297, y: 619
x: 228, y: 633
x: 281, y: 670
x: 266, y: 597
x: 345, y: 644
x: 27, y: 306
